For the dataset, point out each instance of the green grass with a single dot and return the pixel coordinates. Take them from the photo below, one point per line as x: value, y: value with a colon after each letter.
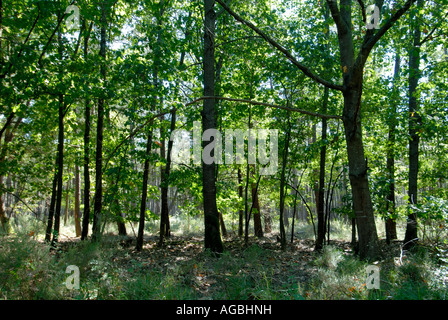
x: 183, y: 270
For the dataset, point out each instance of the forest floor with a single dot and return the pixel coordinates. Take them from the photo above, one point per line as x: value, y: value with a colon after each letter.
x: 182, y: 270
x: 256, y: 270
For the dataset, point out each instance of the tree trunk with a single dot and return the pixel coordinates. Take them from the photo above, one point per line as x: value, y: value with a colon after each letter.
x: 52, y: 205
x: 390, y: 224
x: 415, y: 121
x: 222, y: 225
x: 67, y: 200
x: 77, y: 202
x: 282, y: 186
x: 164, y: 215
x: 141, y: 225
x: 241, y: 211
x: 98, y: 200
x: 258, y: 228
x: 86, y: 212
x: 321, y: 230
x: 60, y: 165
x: 362, y: 203
x: 9, y: 134
x: 212, y: 237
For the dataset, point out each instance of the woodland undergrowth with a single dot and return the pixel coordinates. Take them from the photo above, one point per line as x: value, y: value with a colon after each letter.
x: 181, y: 269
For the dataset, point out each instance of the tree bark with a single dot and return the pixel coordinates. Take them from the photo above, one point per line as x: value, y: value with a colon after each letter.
x: 415, y: 122
x: 86, y: 164
x: 77, y: 202
x: 164, y: 214
x: 362, y: 203
x: 60, y: 153
x: 258, y: 228
x: 86, y: 211
x: 241, y: 211
x: 60, y: 168
x: 141, y: 224
x: 212, y: 236
x: 321, y: 228
x: 282, y: 187
x: 98, y: 200
x: 390, y: 224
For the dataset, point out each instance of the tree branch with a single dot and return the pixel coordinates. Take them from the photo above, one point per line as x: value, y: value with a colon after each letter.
x: 279, y: 47
x: 370, y: 41
x: 134, y: 132
x: 21, y: 49
x: 336, y: 15
x: 310, y: 113
x: 432, y: 31
x: 363, y: 10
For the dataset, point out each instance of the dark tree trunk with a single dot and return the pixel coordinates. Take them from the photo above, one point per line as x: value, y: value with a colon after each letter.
x: 390, y: 224
x: 222, y: 225
x: 77, y: 201
x: 415, y: 122
x: 98, y: 200
x: 362, y: 203
x: 86, y: 212
x: 212, y: 237
x: 321, y: 227
x: 60, y: 165
x: 141, y: 224
x: 241, y: 211
x: 282, y: 186
x: 258, y: 228
x: 164, y: 215
x: 52, y: 204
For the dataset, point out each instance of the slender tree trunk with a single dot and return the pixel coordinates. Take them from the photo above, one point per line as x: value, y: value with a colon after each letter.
x: 241, y: 211
x: 77, y: 202
x: 164, y: 216
x: 390, y: 224
x: 321, y: 228
x: 60, y: 153
x: 52, y: 204
x: 141, y: 225
x: 60, y: 161
x: 222, y: 225
x: 98, y: 200
x: 282, y: 186
x: 86, y: 211
x: 212, y: 238
x: 67, y: 199
x: 258, y: 228
x: 415, y: 122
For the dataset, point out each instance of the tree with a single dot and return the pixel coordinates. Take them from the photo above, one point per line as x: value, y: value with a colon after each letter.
x: 98, y: 200
x: 415, y: 121
x: 212, y: 236
x: 352, y: 67
x: 391, y: 225
x: 164, y: 214
x: 86, y: 162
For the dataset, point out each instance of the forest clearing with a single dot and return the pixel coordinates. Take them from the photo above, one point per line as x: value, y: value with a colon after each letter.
x: 223, y: 150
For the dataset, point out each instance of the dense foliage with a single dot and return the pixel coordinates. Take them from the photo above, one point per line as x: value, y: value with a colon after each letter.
x: 91, y: 92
